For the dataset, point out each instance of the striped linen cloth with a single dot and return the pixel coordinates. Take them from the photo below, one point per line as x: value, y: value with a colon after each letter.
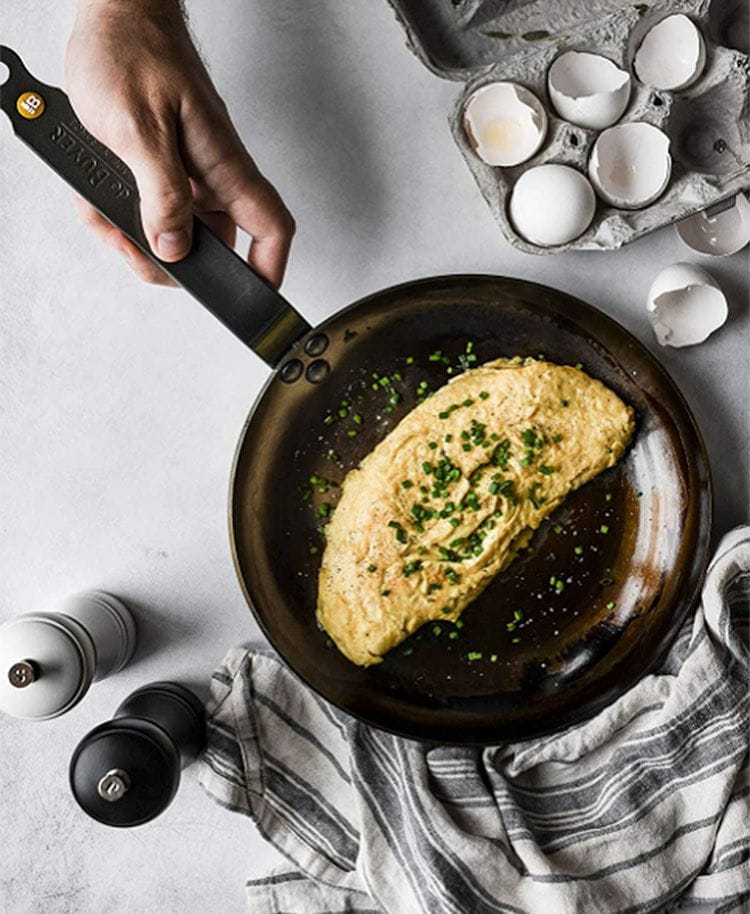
x: 641, y: 807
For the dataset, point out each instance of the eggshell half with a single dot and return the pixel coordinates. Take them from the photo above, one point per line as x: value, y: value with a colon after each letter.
x: 504, y: 123
x: 685, y: 305
x: 721, y: 230
x: 630, y: 165
x: 588, y: 89
x: 672, y: 55
x: 551, y: 204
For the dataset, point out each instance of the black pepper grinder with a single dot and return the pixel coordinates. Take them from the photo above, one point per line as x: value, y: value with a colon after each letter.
x: 126, y: 771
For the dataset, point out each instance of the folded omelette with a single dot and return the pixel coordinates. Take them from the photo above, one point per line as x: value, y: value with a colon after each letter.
x: 448, y: 498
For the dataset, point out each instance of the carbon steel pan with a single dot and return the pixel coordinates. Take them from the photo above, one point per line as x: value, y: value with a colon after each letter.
x: 643, y: 527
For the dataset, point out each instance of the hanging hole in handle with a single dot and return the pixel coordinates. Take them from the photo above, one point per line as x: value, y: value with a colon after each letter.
x: 4, y: 73
x: 657, y: 101
x: 573, y: 140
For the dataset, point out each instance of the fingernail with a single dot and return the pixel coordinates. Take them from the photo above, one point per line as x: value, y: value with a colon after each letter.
x: 172, y: 244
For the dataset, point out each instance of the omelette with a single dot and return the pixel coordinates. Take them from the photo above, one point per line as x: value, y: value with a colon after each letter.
x: 453, y: 492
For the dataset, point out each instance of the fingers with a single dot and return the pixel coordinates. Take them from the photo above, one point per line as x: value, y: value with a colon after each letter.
x: 226, y: 178
x: 166, y: 196
x: 260, y: 211
x: 145, y: 268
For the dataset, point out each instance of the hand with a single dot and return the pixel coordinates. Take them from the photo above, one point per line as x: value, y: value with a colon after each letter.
x: 138, y: 84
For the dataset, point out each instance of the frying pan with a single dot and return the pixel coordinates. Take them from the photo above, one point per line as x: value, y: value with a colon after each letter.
x: 529, y: 655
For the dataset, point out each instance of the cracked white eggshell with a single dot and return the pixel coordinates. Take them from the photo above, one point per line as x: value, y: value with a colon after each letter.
x: 504, y: 123
x: 685, y: 305
x: 672, y: 55
x: 720, y: 230
x: 630, y: 165
x: 588, y: 89
x: 551, y: 204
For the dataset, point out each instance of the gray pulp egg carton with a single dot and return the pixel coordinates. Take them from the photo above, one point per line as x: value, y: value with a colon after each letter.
x: 708, y: 124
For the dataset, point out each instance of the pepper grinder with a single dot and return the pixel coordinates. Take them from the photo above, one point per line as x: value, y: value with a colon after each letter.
x: 127, y: 770
x: 48, y: 660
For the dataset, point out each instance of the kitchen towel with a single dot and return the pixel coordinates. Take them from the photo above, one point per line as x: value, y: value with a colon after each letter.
x: 638, y: 808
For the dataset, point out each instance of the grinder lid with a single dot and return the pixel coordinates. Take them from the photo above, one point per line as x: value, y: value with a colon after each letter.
x: 125, y: 772
x: 44, y: 667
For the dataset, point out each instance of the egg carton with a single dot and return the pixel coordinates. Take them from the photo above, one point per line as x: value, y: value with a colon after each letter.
x: 708, y: 124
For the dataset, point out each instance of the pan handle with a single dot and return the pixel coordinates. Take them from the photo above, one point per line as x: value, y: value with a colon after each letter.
x: 43, y: 118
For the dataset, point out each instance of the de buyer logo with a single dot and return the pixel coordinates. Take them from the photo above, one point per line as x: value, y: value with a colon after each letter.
x: 30, y: 105
x: 98, y: 173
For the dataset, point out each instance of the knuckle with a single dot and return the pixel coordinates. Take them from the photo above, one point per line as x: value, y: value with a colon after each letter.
x: 284, y: 223
x: 170, y: 202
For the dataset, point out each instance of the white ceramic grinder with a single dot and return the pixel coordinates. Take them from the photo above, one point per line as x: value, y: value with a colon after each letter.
x: 48, y: 660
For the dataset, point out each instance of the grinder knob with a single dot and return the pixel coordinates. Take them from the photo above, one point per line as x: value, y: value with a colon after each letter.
x: 126, y: 771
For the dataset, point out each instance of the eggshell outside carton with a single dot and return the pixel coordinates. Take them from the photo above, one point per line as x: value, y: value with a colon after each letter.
x: 685, y: 305
x: 470, y: 41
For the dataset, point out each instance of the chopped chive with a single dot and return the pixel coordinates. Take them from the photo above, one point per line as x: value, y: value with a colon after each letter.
x: 436, y: 629
x: 564, y: 403
x: 372, y: 568
x: 357, y: 417
x: 352, y: 433
x: 518, y: 615
x: 385, y: 593
x: 608, y: 496
x: 407, y: 484
x: 453, y: 635
x: 410, y: 360
x: 483, y: 395
x: 458, y: 623
x: 474, y: 655
x: 557, y: 528
x: 604, y: 528
x: 313, y: 550
x: 515, y: 640
x: 611, y: 605
x: 536, y: 500
x: 407, y: 651
x: 556, y: 439
x: 578, y: 550
x: 400, y: 532
x: 328, y: 419
x: 546, y: 471
x: 493, y: 658
x: 432, y: 445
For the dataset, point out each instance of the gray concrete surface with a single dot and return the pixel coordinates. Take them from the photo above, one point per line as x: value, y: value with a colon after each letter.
x: 120, y: 404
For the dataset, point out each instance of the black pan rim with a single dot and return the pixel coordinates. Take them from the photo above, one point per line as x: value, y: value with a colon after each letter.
x: 703, y: 536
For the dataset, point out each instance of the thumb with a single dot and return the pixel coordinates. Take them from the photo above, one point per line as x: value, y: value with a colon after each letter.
x: 166, y: 200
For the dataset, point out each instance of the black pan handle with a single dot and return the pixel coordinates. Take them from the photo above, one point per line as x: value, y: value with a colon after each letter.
x: 43, y: 118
